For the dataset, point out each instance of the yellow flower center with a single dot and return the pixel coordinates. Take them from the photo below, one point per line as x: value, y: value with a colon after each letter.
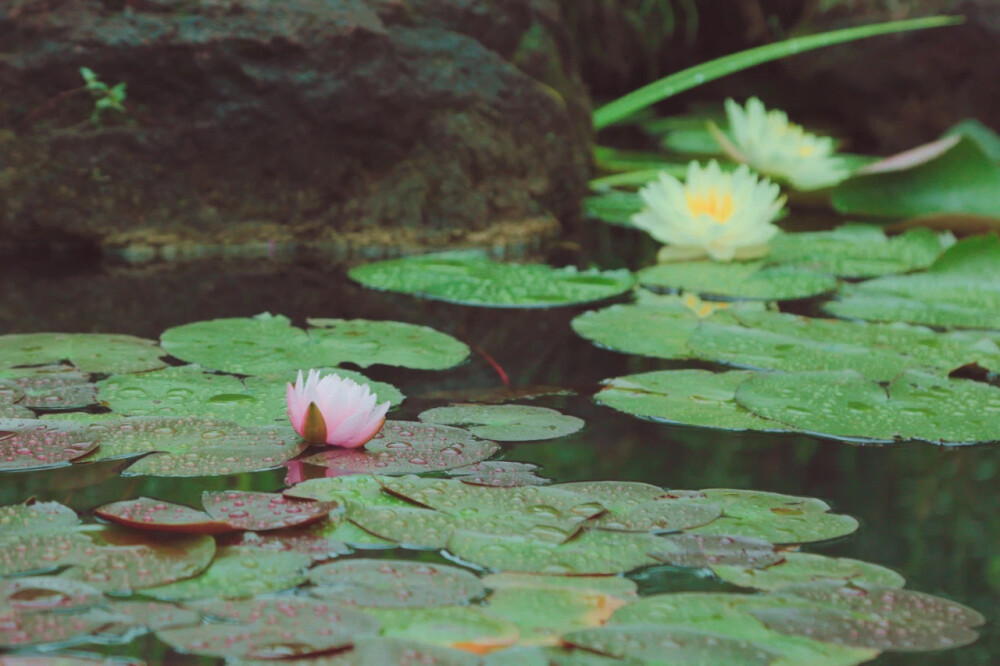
x: 806, y: 150
x: 712, y: 204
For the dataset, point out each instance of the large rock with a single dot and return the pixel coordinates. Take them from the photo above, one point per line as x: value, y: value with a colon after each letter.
x: 283, y: 125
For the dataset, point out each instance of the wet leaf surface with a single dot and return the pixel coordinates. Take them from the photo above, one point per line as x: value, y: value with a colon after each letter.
x: 239, y: 572
x: 29, y: 444
x: 505, y: 423
x: 707, y: 550
x: 275, y: 628
x: 473, y: 279
x: 393, y: 584
x: 263, y: 511
x: 156, y: 515
x: 35, y: 594
x: 808, y: 568
x: 88, y: 352
x: 405, y: 447
x: 461, y: 627
x: 665, y: 645
x: 499, y: 474
x: 739, y: 279
x: 35, y: 517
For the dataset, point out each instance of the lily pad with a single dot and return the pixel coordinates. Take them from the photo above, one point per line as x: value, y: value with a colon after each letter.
x: 56, y: 390
x: 689, y: 397
x: 460, y: 627
x: 889, y: 601
x: 618, y: 587
x: 39, y: 594
x: 593, y: 552
x: 410, y: 527
x: 239, y: 572
x: 193, y: 447
x: 317, y: 540
x: 405, y: 447
x: 88, y: 352
x: 17, y: 519
x: 616, y: 495
x: 394, y: 584
x: 155, y: 515
x: 961, y: 180
x: 775, y: 517
x: 23, y: 630
x: 543, y: 614
x: 505, y: 423
x: 854, y: 304
x: 499, y: 474
x: 257, y: 511
x: 857, y: 250
x: 738, y: 280
x: 473, y: 279
x: 655, y: 644
x: 29, y: 444
x: 708, y: 550
x: 808, y: 568
x: 270, y: 345
x: 845, y: 405
x: 278, y: 628
x: 150, y: 616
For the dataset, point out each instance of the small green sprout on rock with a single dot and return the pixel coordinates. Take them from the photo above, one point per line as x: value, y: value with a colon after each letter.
x: 105, y: 97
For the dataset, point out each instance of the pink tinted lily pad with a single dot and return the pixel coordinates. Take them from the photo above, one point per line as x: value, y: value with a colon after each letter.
x: 61, y: 390
x: 263, y: 511
x: 159, y: 516
x: 137, y: 616
x: 408, y: 447
x: 314, y: 540
x: 278, y: 628
x: 19, y: 630
x: 35, y: 594
x: 29, y: 444
x: 708, y: 550
x: 394, y: 584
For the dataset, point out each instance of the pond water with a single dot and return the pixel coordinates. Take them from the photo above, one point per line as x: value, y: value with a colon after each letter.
x: 930, y: 513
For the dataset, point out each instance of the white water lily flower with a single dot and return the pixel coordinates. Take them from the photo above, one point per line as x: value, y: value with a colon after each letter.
x: 724, y: 216
x: 772, y: 145
x: 334, y: 410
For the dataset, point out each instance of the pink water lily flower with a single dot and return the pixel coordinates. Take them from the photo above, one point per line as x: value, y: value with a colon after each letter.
x: 334, y: 410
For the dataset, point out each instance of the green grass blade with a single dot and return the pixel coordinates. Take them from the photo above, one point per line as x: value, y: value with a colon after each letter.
x: 713, y: 69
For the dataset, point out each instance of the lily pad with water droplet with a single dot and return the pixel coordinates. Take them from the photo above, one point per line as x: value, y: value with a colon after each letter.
x: 845, y: 405
x: 961, y: 289
x: 616, y: 495
x: 544, y: 614
x: 461, y: 627
x: 270, y: 345
x: 317, y: 540
x: 410, y: 527
x: 50, y: 387
x: 23, y: 630
x: 42, y: 594
x: 156, y: 515
x: 193, y: 447
x: 471, y: 278
x: 738, y: 280
x: 776, y: 518
x: 238, y: 572
x: 347, y: 489
x: 688, y: 397
x: 27, y: 444
x: 808, y: 568
x: 405, y: 447
x: 655, y: 644
x: 276, y: 628
x: 640, y: 507
x: 729, y: 615
x: 257, y: 511
x: 708, y: 550
x: 17, y: 519
x: 858, y: 250
x: 592, y: 552
x: 88, y: 352
x: 393, y: 584
x: 506, y: 423
x: 150, y: 616
x: 612, y: 586
x: 499, y: 474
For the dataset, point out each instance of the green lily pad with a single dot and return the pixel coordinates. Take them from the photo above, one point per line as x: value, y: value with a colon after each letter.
x: 617, y: 496
x: 655, y: 644
x: 708, y: 550
x: 27, y: 444
x: 393, y: 584
x: 593, y: 552
x: 775, y: 517
x: 845, y: 405
x: 24, y: 630
x: 961, y: 289
x: 451, y: 626
x: 738, y: 280
x: 506, y: 423
x: 499, y: 474
x: 808, y: 568
x: 193, y: 447
x: 270, y: 345
x: 729, y: 615
x: 278, y: 628
x: 59, y: 389
x: 317, y: 540
x: 543, y: 614
x: 155, y: 515
x: 888, y: 601
x: 473, y: 279
x: 961, y: 180
x: 88, y: 352
x: 406, y: 447
x: 410, y: 527
x: 688, y: 397
x: 640, y: 507
x: 150, y: 616
x: 658, y: 326
x: 857, y: 251
x: 32, y: 516
x: 239, y: 572
x: 618, y: 587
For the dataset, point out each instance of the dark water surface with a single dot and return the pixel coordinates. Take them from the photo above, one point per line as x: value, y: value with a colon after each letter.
x: 930, y: 513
